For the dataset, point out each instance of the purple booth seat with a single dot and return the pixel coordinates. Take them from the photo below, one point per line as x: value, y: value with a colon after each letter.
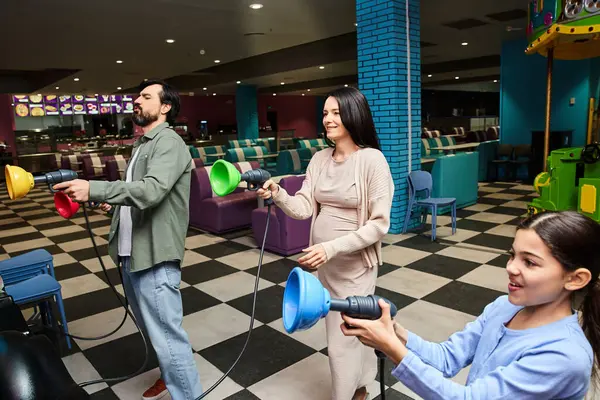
x: 220, y: 214
x: 115, y: 168
x: 286, y: 235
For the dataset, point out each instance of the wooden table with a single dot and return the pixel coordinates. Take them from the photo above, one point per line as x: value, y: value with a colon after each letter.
x: 455, y: 147
x: 264, y: 158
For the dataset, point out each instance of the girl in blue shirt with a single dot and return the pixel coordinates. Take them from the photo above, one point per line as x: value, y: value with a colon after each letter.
x: 527, y: 345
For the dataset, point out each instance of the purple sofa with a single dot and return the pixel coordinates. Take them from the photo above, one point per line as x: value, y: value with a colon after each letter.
x: 220, y: 214
x: 286, y: 235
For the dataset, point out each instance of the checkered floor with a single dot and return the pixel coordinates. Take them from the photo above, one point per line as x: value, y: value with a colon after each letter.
x: 438, y: 287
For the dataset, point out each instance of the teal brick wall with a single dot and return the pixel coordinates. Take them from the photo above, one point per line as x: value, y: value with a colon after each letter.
x: 246, y: 111
x: 383, y: 66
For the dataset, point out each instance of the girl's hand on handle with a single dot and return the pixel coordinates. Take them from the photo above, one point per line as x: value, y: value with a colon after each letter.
x: 269, y: 189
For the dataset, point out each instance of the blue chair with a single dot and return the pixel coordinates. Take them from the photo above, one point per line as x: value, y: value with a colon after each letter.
x: 419, y: 181
x: 29, y: 279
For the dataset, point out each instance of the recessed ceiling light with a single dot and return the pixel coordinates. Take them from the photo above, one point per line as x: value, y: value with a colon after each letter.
x: 238, y: 82
x: 274, y: 94
x: 96, y: 94
x: 456, y: 77
x: 214, y: 94
x: 76, y: 79
x: 345, y: 85
x: 119, y: 88
x: 217, y: 61
x: 321, y: 67
x: 170, y: 41
x: 302, y: 94
x: 58, y: 87
x: 308, y: 90
x: 465, y: 43
x: 145, y: 79
x: 495, y: 80
x: 119, y: 61
x: 256, y: 6
x: 355, y: 24
x: 429, y: 76
x: 204, y: 88
x: 283, y: 83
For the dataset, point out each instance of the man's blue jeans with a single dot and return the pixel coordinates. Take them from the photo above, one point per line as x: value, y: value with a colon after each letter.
x: 155, y: 300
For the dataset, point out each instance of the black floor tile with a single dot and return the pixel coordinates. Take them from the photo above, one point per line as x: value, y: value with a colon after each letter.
x: 106, y: 394
x: 503, y: 185
x: 53, y: 249
x: 70, y: 237
x: 14, y: 225
x: 38, y: 216
x: 399, y: 300
x: 472, y: 225
x: 500, y: 261
x: 89, y: 253
x: 393, y: 394
x: 236, y: 234
x: 271, y: 351
x: 113, y: 274
x: 463, y: 297
x: 98, y: 224
x: 90, y: 304
x: 516, y: 212
x: 121, y: 357
x: 491, y: 201
x: 268, y: 304
x: 448, y: 267
x: 221, y: 249
x: 421, y: 242
x: 205, y: 271
x: 494, y: 241
x: 195, y: 300
x: 21, y: 238
x: 243, y: 395
x: 386, y: 269
x: 54, y: 225
x: 515, y: 222
x: 276, y: 271
x: 464, y: 214
x: 70, y: 271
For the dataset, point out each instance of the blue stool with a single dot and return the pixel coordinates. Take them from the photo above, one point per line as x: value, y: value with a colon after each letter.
x: 29, y: 279
x: 419, y: 181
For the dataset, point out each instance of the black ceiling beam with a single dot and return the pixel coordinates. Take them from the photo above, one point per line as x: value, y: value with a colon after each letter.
x: 327, y: 51
x: 30, y: 82
x: 491, y: 61
x: 316, y: 84
x: 474, y: 79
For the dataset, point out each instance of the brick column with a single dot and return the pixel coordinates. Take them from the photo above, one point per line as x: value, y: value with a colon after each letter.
x: 383, y: 77
x: 246, y: 112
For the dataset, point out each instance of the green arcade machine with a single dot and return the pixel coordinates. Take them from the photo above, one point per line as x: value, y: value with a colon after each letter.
x: 567, y: 30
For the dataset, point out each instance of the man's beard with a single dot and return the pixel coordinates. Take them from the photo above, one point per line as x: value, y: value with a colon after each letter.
x: 143, y: 118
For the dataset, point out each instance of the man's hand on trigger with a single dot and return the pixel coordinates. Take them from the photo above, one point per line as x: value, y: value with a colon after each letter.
x: 78, y: 190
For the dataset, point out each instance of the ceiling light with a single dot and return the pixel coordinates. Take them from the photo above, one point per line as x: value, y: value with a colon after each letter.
x: 308, y: 90
x: 495, y: 80
x: 76, y: 79
x: 355, y: 24
x: 58, y: 87
x: 345, y: 85
x: 238, y: 82
x: 456, y: 77
x: 321, y: 67
x: 217, y: 61
x: 465, y: 43
x: 302, y: 94
x: 429, y: 76
x: 256, y: 6
x: 119, y: 88
x: 119, y: 62
x: 274, y: 94
x: 96, y: 94
x: 283, y: 83
x: 214, y: 94
x: 170, y: 41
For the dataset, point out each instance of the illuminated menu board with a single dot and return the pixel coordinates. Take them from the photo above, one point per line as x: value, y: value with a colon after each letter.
x: 39, y: 106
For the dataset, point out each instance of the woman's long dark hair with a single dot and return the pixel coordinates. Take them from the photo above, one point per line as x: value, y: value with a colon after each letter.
x: 574, y: 240
x: 356, y: 117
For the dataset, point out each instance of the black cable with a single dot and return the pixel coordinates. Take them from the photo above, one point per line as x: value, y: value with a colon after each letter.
x: 382, y: 377
x: 260, y: 258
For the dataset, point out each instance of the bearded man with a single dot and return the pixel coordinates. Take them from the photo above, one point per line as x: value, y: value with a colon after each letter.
x: 147, y: 235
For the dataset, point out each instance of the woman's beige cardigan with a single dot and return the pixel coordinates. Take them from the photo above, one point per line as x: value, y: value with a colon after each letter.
x: 375, y: 188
